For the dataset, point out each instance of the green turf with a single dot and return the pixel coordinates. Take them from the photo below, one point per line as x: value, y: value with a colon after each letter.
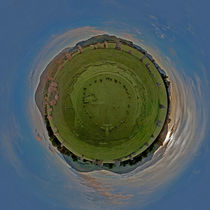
x: 109, y: 103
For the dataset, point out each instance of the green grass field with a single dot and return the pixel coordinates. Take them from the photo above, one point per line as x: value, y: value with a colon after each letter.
x: 109, y: 103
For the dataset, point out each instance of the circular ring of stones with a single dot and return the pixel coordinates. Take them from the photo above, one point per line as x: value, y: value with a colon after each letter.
x: 89, y: 102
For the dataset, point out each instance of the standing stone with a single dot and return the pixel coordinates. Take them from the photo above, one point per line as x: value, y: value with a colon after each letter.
x: 105, y: 45
x: 118, y: 45
x: 98, y: 45
x: 80, y: 49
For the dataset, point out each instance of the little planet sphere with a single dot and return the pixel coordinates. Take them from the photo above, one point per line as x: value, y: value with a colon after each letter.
x: 105, y: 103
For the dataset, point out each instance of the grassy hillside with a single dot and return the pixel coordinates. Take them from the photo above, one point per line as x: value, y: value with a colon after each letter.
x: 109, y: 104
